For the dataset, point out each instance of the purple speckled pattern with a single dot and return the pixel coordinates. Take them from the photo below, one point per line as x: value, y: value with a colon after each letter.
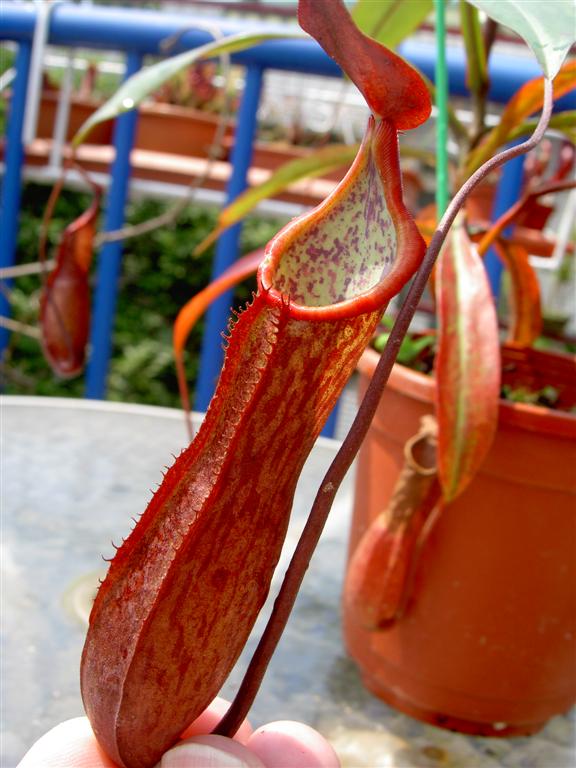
x: 348, y: 251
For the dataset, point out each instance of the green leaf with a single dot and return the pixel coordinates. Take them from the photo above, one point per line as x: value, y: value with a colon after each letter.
x: 477, y: 67
x: 143, y: 83
x: 390, y: 21
x: 321, y: 161
x: 565, y: 122
x: 410, y: 348
x: 548, y: 27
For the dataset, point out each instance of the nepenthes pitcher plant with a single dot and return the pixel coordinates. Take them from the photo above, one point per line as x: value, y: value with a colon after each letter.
x: 185, y: 588
x: 183, y: 591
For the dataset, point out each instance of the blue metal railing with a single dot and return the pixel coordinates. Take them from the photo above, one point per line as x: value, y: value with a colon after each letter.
x: 227, y: 247
x: 11, y: 186
x: 139, y: 33
x: 110, y: 257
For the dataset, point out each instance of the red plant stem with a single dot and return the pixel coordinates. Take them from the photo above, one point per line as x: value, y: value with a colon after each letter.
x: 353, y: 440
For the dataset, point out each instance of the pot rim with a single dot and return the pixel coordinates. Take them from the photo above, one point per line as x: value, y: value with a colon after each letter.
x: 420, y: 386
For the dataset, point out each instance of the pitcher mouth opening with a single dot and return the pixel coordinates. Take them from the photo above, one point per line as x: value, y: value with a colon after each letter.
x: 353, y: 252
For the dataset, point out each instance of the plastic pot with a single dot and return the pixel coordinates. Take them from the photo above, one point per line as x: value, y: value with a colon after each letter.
x: 487, y: 642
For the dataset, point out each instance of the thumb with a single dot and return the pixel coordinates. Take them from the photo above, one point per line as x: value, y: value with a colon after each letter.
x: 210, y: 752
x: 71, y: 744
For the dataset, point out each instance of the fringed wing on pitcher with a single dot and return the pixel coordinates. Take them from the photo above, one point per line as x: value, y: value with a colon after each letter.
x: 184, y: 590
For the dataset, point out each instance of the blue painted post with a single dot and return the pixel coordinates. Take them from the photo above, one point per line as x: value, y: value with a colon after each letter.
x: 507, y: 194
x: 330, y: 427
x: 227, y: 247
x: 12, y: 184
x: 110, y: 257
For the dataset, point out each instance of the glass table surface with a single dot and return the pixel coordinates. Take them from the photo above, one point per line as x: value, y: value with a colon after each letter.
x: 73, y: 474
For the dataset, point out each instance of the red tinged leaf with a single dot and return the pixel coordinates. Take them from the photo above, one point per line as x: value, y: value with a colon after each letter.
x: 525, y: 102
x: 526, y: 313
x: 467, y: 367
x: 195, y: 308
x: 184, y: 590
x: 534, y: 215
x: 65, y: 298
x: 392, y: 88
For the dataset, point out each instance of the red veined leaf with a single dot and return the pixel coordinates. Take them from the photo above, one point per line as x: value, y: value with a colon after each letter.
x: 194, y: 309
x: 467, y: 363
x: 392, y: 88
x: 65, y: 298
x: 525, y: 314
x: 527, y: 100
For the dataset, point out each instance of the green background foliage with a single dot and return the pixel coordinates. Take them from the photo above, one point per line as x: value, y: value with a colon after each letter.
x: 159, y: 275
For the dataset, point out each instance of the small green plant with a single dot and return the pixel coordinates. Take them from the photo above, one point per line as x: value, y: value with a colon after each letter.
x: 547, y: 396
x: 415, y: 352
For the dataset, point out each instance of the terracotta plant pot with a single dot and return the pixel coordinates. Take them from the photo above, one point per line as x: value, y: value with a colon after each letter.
x: 80, y: 110
x: 161, y: 127
x: 487, y: 641
x: 178, y: 130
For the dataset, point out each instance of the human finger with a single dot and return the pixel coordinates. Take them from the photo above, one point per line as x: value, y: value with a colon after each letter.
x: 70, y: 744
x: 209, y: 719
x: 210, y: 751
x: 288, y: 744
